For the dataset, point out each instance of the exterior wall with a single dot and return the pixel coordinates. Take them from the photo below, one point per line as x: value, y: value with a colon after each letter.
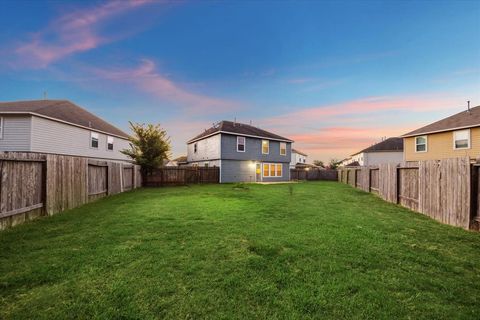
x: 297, y: 158
x: 440, y: 146
x: 285, y: 175
x: 244, y: 171
x: 16, y: 133
x: 207, y: 149
x: 360, y: 157
x: 253, y: 150
x: 375, y: 158
x: 48, y: 136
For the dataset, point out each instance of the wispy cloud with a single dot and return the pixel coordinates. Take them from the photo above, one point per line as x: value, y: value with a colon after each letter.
x: 147, y: 79
x: 71, y: 33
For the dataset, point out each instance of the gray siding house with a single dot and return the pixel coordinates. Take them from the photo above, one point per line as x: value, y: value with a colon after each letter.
x: 243, y: 153
x: 58, y: 127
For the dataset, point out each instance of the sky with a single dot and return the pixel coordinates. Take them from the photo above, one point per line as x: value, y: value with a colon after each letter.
x: 334, y: 76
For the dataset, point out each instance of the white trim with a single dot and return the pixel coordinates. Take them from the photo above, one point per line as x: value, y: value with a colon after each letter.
x: 63, y: 121
x: 426, y: 144
x: 1, y: 127
x: 244, y: 144
x: 284, y: 143
x: 268, y: 152
x: 113, y: 144
x: 236, y: 134
x: 439, y: 131
x: 269, y: 170
x: 469, y: 140
x: 91, y: 139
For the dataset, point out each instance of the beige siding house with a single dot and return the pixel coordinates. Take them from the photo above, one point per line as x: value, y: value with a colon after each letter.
x: 452, y: 137
x: 58, y: 127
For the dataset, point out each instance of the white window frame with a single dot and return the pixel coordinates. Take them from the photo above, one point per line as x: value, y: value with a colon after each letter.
x: 96, y: 136
x: 268, y: 147
x: 285, y: 148
x: 455, y: 140
x: 426, y: 144
x: 112, y: 143
x: 244, y: 143
x: 1, y: 127
x: 269, y: 170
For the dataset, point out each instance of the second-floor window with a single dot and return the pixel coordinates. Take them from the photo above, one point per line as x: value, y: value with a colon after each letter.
x: 461, y: 139
x: 110, y: 143
x: 195, y: 147
x: 94, y: 140
x: 283, y: 149
x: 240, y: 144
x: 421, y: 144
x: 265, y: 147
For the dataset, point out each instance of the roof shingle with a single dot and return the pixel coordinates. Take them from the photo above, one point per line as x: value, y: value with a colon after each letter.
x: 390, y: 144
x: 62, y: 110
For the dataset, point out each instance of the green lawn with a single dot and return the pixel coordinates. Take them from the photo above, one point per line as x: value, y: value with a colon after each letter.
x: 311, y: 250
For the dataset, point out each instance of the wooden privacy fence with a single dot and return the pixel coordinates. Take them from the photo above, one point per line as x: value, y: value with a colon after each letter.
x: 314, y: 174
x: 444, y: 189
x: 169, y: 176
x: 34, y: 184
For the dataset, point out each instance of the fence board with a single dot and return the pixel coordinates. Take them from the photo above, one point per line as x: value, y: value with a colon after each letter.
x: 314, y: 174
x: 181, y: 176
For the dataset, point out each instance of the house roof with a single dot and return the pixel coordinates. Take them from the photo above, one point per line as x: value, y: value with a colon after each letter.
x: 299, y: 152
x: 464, y: 119
x: 180, y: 159
x: 62, y: 110
x: 387, y: 145
x: 231, y: 127
x: 353, y: 164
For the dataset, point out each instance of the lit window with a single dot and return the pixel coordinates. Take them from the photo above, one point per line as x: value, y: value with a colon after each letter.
x: 266, y: 172
x: 265, y: 146
x: 279, y: 170
x: 283, y: 149
x: 109, y: 143
x: 421, y: 144
x: 195, y: 147
x: 240, y: 144
x: 461, y: 139
x: 272, y: 170
x: 93, y: 139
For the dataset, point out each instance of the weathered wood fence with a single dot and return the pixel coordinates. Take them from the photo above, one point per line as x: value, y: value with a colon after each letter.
x: 33, y: 184
x: 445, y: 190
x: 313, y: 174
x: 170, y: 176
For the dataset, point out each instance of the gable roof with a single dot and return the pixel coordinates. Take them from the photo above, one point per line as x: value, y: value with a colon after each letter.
x: 387, y: 145
x: 235, y: 128
x: 464, y: 119
x: 62, y: 110
x: 299, y: 152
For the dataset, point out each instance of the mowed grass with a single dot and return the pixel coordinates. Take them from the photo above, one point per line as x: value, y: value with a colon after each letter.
x: 293, y: 251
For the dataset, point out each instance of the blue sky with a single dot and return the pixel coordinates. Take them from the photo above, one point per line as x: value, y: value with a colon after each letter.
x: 335, y: 76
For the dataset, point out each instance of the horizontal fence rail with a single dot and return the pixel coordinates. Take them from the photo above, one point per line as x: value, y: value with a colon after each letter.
x: 34, y: 184
x: 446, y: 190
x: 170, y: 176
x: 313, y: 174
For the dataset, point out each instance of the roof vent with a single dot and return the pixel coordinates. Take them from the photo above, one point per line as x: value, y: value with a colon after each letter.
x: 468, y: 106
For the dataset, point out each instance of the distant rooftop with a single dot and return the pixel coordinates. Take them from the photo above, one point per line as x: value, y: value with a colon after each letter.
x: 62, y: 110
x: 390, y: 144
x: 240, y: 129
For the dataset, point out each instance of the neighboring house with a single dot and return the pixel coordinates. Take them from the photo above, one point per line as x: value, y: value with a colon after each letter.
x: 244, y: 153
x: 386, y: 151
x: 297, y: 158
x: 58, y: 127
x: 177, y: 162
x: 452, y: 137
x: 345, y: 162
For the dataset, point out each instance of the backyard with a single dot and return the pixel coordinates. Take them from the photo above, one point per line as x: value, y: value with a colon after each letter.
x: 307, y: 250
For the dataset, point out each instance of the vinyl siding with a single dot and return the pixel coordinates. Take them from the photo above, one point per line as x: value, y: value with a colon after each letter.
x: 50, y: 136
x: 376, y: 158
x: 440, y: 146
x: 207, y: 149
x: 297, y: 158
x: 253, y: 150
x: 285, y: 175
x: 16, y: 133
x: 237, y: 171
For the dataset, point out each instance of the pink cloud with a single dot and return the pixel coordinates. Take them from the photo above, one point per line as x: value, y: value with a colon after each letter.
x: 146, y: 78
x: 71, y: 33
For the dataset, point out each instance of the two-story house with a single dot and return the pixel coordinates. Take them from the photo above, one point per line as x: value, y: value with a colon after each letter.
x: 298, y: 157
x: 386, y: 151
x: 243, y: 153
x: 58, y: 127
x: 452, y: 137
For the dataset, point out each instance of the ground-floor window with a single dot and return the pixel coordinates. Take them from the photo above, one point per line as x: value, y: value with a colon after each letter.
x: 272, y: 169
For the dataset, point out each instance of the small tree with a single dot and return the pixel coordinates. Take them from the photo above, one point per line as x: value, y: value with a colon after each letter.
x: 318, y: 163
x: 333, y: 163
x: 149, y: 146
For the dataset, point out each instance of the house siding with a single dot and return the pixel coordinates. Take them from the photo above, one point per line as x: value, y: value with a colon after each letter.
x: 440, y: 146
x: 237, y: 171
x: 49, y: 136
x: 207, y: 149
x: 297, y: 158
x: 253, y: 150
x: 16, y: 133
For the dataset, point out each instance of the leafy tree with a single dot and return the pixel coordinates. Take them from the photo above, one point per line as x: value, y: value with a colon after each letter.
x: 333, y: 163
x: 149, y: 146
x: 318, y: 163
